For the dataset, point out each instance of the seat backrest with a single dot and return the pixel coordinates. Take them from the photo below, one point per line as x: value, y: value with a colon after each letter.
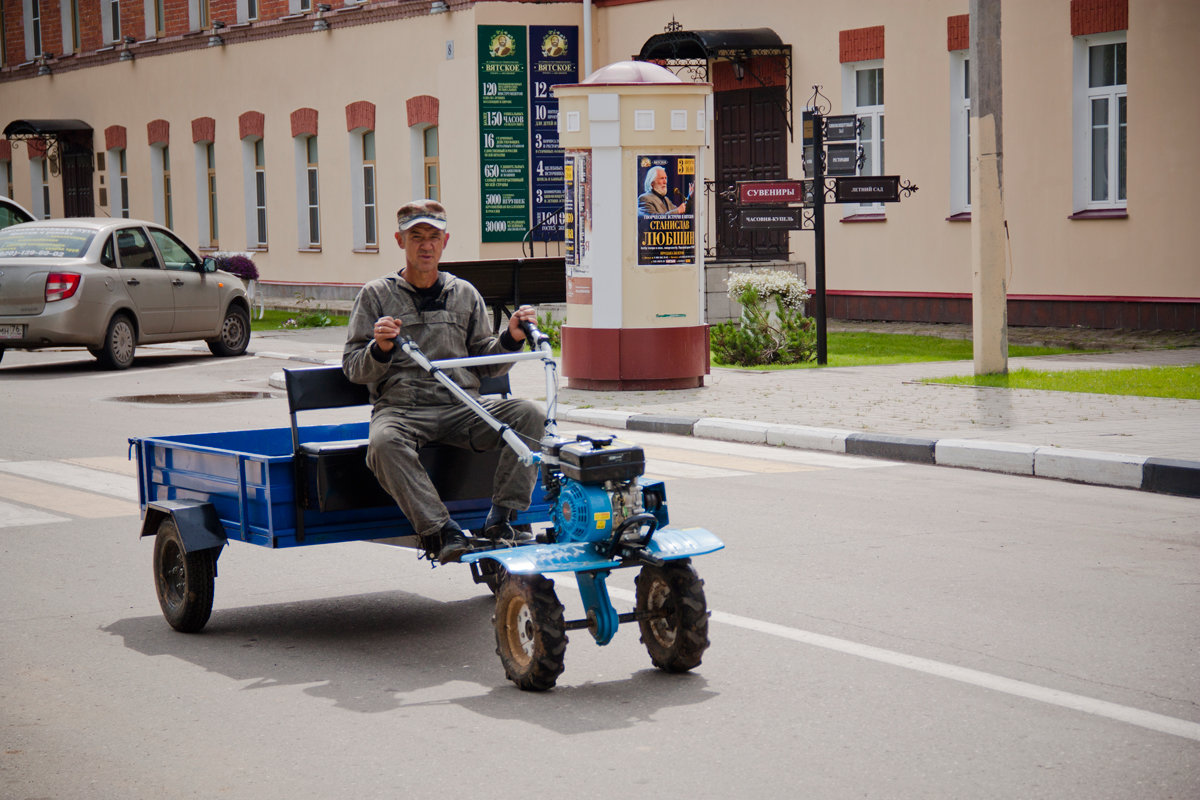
x: 312, y: 388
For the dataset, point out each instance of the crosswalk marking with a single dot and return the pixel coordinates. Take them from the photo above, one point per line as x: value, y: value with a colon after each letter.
x: 53, y: 496
x: 75, y: 476
x: 12, y: 516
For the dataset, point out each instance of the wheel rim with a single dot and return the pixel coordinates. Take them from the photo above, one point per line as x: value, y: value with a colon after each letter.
x: 232, y: 331
x: 659, y: 600
x: 172, y: 575
x: 519, y: 631
x: 122, y: 342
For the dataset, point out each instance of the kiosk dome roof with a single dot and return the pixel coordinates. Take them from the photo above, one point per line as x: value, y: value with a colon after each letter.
x: 633, y: 72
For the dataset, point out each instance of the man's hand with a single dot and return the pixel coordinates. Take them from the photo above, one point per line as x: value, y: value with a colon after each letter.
x: 522, y: 314
x: 386, y: 331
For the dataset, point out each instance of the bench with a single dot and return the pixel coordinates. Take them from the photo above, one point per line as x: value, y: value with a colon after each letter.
x: 332, y: 474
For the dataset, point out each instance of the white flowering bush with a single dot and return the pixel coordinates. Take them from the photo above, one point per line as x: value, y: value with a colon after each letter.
x: 782, y: 335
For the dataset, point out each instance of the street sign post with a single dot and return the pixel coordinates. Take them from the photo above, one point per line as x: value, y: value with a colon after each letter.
x: 867, y: 189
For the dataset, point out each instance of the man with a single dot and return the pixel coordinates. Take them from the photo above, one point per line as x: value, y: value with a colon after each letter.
x: 447, y: 318
x: 654, y: 199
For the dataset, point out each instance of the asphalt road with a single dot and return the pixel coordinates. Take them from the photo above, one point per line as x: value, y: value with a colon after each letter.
x: 879, y: 630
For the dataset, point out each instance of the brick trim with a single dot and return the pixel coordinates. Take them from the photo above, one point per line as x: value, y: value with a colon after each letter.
x: 115, y: 137
x: 36, y: 148
x: 360, y: 115
x: 766, y: 71
x: 158, y: 132
x: 860, y: 44
x: 251, y: 123
x: 204, y: 129
x: 5, y: 150
x: 1098, y: 16
x: 958, y: 32
x: 304, y: 122
x: 422, y: 110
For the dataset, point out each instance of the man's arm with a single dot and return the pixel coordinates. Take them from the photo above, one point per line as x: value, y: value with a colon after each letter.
x: 362, y: 362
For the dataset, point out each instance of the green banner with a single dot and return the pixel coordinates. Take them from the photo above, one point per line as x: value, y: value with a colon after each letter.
x: 503, y: 132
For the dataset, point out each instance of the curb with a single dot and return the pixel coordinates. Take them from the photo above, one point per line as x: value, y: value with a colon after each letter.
x: 1148, y: 474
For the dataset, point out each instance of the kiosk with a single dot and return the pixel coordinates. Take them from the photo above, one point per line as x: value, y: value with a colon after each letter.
x: 634, y: 136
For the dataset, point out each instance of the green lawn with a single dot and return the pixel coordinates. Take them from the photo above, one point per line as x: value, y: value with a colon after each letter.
x: 1175, y: 382
x: 275, y: 319
x: 867, y: 349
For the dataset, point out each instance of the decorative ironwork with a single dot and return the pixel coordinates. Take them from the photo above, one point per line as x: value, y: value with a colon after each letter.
x: 673, y: 26
x: 815, y: 103
x: 50, y: 144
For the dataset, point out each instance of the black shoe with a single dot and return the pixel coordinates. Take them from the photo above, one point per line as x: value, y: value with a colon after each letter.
x: 454, y: 544
x: 499, y: 527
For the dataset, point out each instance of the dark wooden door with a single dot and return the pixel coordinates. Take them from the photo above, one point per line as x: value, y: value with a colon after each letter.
x: 751, y: 144
x: 77, y: 175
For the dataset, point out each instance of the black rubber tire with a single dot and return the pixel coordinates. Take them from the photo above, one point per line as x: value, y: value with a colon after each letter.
x: 235, y: 333
x: 120, y: 341
x: 531, y: 637
x: 183, y: 581
x: 678, y: 636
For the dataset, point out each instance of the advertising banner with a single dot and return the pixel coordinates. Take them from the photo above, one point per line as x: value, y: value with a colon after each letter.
x: 666, y: 210
x: 553, y: 59
x: 503, y: 132
x: 578, y: 179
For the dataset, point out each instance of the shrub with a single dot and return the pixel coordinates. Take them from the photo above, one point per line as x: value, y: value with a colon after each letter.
x: 240, y: 266
x: 762, y: 335
x: 552, y: 328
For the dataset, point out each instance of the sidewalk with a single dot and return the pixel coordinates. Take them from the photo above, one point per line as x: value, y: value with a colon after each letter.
x: 1144, y: 443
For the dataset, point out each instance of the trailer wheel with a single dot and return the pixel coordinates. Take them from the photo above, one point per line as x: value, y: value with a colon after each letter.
x: 183, y: 581
x: 675, y: 622
x: 531, y: 637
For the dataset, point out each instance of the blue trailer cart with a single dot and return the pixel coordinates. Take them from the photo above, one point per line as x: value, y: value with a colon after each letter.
x: 309, y: 484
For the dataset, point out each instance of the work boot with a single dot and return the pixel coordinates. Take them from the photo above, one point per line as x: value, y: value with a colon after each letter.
x: 454, y: 543
x: 499, y: 528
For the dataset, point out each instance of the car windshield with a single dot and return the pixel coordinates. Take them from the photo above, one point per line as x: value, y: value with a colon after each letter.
x: 44, y: 242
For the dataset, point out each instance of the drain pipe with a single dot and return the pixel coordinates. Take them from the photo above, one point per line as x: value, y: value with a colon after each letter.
x: 587, y: 39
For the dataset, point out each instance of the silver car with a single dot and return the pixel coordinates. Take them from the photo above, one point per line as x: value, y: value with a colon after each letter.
x: 110, y: 285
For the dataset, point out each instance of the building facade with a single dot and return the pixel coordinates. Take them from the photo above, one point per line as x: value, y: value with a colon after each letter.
x: 293, y: 130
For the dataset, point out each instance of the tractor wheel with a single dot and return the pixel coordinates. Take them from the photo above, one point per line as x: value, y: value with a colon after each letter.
x: 531, y: 637
x: 183, y: 581
x: 675, y: 628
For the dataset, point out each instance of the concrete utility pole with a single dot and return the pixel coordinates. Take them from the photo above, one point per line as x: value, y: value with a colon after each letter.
x: 989, y: 294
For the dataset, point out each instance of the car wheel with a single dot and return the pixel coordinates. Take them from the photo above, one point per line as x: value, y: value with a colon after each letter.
x: 119, y: 343
x: 235, y: 334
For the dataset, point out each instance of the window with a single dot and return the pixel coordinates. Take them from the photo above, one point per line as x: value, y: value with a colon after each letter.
x: 862, y: 95
x: 6, y: 177
x: 45, y: 190
x: 251, y: 9
x: 124, y: 184
x: 299, y: 6
x: 210, y: 182
x: 35, y: 27
x: 308, y: 193
x: 1100, y: 122
x: 75, y: 40
x: 960, y: 132
x: 260, y: 195
x: 111, y: 12
x: 160, y: 179
x: 433, y: 183
x: 160, y: 18
x: 368, y: 179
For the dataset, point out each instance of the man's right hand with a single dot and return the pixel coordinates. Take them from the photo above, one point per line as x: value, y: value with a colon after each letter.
x: 386, y: 331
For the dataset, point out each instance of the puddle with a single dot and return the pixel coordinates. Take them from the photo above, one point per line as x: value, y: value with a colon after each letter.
x: 184, y: 399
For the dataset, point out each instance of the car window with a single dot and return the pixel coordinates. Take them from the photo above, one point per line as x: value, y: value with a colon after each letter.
x: 12, y: 214
x: 135, y: 250
x: 44, y: 242
x: 108, y: 257
x: 174, y: 252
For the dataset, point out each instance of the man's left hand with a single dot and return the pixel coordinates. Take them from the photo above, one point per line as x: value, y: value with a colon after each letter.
x: 522, y: 314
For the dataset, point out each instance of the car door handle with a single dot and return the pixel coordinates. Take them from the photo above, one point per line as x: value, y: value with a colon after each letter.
x: 133, y: 282
x: 176, y: 282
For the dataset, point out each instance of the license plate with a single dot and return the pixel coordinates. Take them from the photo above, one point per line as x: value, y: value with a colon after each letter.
x: 12, y: 331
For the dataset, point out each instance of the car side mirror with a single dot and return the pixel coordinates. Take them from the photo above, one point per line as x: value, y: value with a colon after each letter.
x: 210, y: 264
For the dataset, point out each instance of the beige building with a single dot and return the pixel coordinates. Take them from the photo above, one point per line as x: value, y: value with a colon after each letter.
x: 293, y: 130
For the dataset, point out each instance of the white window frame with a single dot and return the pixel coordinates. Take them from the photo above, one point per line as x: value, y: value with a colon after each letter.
x: 35, y: 44
x: 6, y: 177
x: 363, y: 210
x: 69, y: 14
x: 307, y: 239
x: 110, y: 21
x: 118, y: 182
x: 255, y: 205
x: 160, y: 177
x: 151, y: 12
x: 421, y: 161
x: 850, y: 72
x: 960, y: 132
x: 39, y: 187
x: 1082, y: 97
x: 299, y: 6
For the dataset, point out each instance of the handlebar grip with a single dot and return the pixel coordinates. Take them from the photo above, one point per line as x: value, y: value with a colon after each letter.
x: 532, y: 335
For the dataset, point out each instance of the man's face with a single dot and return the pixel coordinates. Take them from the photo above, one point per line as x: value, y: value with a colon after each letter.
x: 423, y: 245
x: 660, y: 182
